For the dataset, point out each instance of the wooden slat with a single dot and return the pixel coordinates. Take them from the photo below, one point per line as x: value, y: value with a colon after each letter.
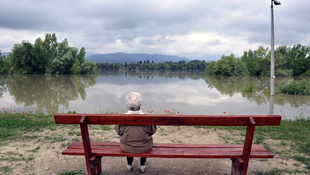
x: 168, y: 150
x: 169, y: 153
x: 98, y: 145
x: 200, y: 120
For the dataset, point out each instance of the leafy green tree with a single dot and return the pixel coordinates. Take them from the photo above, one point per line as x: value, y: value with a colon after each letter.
x: 39, y: 55
x: 298, y: 59
x: 75, y: 69
x: 46, y: 56
x: 240, y: 68
x: 4, y: 64
x: 225, y: 66
x: 88, y: 67
x: 62, y: 65
x: 23, y: 59
x: 209, y: 68
x: 50, y: 47
x: 252, y: 62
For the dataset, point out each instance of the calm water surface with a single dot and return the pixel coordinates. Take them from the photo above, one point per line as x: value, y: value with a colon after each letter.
x: 183, y: 92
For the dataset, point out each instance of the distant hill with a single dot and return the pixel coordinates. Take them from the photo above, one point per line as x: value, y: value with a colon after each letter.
x: 134, y: 57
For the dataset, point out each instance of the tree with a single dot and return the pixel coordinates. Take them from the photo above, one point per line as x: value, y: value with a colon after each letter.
x: 4, y: 64
x: 298, y: 59
x: 23, y: 60
x: 46, y: 56
x: 88, y: 67
x: 240, y: 68
x: 50, y: 46
x: 209, y: 68
x: 225, y: 66
x: 62, y: 65
x: 75, y: 69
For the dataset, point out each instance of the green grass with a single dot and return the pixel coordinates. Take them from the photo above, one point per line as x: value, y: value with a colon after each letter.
x: 297, y: 132
x: 67, y: 172
x: 14, y: 125
x: 277, y: 171
x: 6, y: 169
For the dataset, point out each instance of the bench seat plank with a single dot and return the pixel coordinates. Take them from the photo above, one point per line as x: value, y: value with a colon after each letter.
x: 170, y: 150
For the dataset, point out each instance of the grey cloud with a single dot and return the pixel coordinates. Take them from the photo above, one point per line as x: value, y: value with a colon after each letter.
x: 100, y: 23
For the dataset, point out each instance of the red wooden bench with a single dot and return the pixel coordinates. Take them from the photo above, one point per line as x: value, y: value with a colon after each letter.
x: 239, y: 154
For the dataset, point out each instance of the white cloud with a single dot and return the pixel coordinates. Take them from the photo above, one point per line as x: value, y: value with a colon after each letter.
x: 191, y: 28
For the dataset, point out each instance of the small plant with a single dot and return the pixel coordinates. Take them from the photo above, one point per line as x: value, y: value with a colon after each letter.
x: 249, y: 87
x: 296, y: 88
x: 35, y: 150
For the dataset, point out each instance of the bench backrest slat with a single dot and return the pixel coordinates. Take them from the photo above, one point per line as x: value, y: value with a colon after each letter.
x: 201, y: 120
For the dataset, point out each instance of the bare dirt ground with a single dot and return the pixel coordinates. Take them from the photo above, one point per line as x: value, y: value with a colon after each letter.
x: 40, y: 153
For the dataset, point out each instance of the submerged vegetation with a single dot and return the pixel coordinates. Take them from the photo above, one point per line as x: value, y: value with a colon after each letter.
x: 296, y: 87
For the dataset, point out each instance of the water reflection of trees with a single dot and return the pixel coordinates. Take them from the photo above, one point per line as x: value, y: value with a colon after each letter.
x: 49, y: 92
x: 151, y: 74
x: 233, y: 85
x: 3, y: 86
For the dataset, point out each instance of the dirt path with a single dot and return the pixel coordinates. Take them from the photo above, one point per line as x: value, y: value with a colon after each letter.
x: 40, y: 153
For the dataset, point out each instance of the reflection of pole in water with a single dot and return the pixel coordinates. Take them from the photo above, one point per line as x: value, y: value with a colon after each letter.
x: 271, y: 101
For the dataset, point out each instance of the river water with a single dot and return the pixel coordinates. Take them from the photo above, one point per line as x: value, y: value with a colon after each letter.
x: 176, y: 92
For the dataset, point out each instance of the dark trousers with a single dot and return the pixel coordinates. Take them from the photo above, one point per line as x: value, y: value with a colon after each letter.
x: 142, y: 160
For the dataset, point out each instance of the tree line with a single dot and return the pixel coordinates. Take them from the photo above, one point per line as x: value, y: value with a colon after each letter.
x: 289, y: 61
x: 46, y: 57
x: 193, y: 65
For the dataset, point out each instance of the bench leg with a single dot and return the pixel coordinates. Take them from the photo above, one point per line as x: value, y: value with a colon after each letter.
x: 95, y: 164
x: 237, y: 167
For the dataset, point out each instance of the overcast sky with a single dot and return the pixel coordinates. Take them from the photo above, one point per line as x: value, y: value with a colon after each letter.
x: 196, y: 29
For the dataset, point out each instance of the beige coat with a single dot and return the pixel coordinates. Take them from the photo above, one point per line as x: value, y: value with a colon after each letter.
x: 136, y: 139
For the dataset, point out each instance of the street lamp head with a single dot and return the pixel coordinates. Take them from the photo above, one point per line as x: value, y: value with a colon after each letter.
x: 276, y: 2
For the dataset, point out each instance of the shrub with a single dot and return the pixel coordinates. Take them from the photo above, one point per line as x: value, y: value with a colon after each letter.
x: 249, y: 87
x: 306, y: 74
x: 296, y: 88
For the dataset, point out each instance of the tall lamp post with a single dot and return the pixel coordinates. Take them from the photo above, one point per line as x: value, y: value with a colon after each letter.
x: 272, y: 75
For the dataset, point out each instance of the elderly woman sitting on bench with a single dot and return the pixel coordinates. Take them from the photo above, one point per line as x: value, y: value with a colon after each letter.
x: 135, y: 139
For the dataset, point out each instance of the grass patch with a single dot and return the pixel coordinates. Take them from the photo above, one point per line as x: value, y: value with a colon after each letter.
x: 277, y: 171
x: 106, y: 127
x: 67, y: 172
x: 305, y: 160
x: 35, y: 150
x: 59, y: 138
x: 6, y: 169
x: 14, y: 125
x: 296, y: 131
